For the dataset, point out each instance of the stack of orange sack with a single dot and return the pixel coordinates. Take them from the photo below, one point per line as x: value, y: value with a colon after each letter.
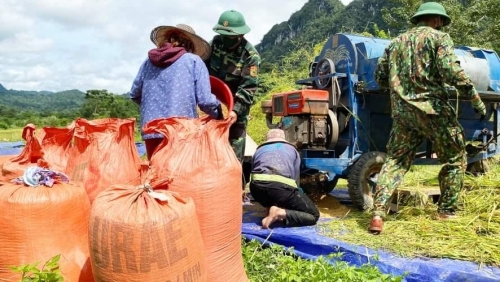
x: 177, y: 218
x: 40, y: 222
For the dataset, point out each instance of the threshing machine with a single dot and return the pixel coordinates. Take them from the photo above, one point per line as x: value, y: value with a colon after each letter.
x: 340, y: 121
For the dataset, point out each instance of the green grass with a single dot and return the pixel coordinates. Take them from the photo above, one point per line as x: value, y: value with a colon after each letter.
x: 11, y: 135
x: 274, y: 263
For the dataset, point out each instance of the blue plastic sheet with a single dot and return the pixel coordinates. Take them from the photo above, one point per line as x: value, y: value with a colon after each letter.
x: 11, y: 148
x: 141, y: 148
x: 308, y: 243
x: 17, y: 144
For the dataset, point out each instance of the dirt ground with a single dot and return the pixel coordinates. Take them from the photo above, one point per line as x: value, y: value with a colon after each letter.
x: 330, y: 207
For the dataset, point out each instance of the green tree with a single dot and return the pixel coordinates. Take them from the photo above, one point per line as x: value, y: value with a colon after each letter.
x: 101, y: 104
x: 98, y: 103
x: 474, y: 23
x: 123, y: 107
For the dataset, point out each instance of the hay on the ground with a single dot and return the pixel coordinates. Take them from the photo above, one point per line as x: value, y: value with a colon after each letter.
x: 416, y: 232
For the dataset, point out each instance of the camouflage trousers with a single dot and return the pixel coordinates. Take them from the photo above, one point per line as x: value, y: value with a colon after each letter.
x: 409, y: 129
x: 237, y: 138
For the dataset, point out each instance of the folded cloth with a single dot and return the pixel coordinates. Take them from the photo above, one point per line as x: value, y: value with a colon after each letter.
x: 34, y: 176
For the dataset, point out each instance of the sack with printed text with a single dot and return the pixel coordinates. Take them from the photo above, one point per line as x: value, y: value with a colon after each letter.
x: 145, y: 233
x: 197, y: 157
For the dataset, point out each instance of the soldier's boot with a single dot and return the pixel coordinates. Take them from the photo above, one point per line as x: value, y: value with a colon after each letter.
x: 376, y: 225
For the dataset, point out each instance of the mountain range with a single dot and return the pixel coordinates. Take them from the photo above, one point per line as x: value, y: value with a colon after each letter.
x: 41, y: 101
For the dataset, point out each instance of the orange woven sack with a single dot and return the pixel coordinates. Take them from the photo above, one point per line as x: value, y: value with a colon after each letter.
x: 56, y: 143
x: 197, y: 157
x: 50, y: 149
x: 30, y: 154
x: 5, y: 158
x: 39, y: 223
x: 139, y: 234
x: 103, y: 154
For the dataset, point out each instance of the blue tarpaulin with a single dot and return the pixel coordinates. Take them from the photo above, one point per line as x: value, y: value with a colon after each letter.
x: 11, y: 148
x: 309, y: 244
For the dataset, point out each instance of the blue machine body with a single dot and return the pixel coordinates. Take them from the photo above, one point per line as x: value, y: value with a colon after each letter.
x: 355, y: 59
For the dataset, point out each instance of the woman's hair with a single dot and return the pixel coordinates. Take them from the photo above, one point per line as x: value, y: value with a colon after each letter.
x: 177, y: 39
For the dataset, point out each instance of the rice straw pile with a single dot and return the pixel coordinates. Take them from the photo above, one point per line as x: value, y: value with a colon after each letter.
x: 416, y: 232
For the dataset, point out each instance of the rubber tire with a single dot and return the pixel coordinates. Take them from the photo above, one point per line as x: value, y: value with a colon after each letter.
x: 357, y: 184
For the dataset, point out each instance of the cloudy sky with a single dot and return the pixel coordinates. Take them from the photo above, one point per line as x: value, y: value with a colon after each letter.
x: 58, y: 45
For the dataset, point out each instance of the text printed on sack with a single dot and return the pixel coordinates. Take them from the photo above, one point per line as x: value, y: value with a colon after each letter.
x: 116, y: 246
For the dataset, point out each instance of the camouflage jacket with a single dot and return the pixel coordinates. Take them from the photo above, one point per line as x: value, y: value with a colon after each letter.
x: 415, y: 67
x: 238, y: 68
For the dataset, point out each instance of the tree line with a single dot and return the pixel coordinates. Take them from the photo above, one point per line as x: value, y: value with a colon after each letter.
x: 93, y: 104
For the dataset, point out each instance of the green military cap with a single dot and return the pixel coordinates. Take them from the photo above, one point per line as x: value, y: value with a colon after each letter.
x: 431, y: 8
x: 231, y: 23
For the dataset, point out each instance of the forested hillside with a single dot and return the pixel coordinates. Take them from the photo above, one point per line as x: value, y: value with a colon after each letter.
x: 316, y: 21
x: 45, y: 108
x: 42, y: 101
x: 474, y: 23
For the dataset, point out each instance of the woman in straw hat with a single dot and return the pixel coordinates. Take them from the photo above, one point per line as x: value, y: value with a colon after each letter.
x: 173, y: 80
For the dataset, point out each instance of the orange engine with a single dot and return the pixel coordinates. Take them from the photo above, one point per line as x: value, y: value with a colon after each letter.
x: 304, y: 116
x: 298, y: 102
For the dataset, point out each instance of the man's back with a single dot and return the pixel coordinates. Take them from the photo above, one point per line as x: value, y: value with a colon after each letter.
x: 417, y: 64
x: 277, y: 158
x: 414, y: 72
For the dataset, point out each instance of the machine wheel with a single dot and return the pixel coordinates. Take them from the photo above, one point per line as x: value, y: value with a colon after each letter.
x: 362, y: 179
x: 324, y: 67
x: 333, y: 130
x: 478, y: 168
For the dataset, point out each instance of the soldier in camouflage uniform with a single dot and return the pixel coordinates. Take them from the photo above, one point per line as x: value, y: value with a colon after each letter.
x: 235, y: 61
x: 415, y: 67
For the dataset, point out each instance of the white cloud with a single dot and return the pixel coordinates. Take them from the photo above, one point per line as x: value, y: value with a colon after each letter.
x: 100, y: 44
x: 25, y: 43
x: 74, y: 13
x: 27, y: 78
x: 38, y: 73
x: 12, y: 19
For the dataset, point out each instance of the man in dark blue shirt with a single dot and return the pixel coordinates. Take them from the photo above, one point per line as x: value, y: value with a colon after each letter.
x: 274, y: 183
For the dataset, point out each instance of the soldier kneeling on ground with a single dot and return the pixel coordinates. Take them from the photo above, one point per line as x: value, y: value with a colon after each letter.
x: 274, y: 183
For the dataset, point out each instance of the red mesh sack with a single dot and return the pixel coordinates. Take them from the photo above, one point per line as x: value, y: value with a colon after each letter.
x: 56, y: 143
x: 5, y: 158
